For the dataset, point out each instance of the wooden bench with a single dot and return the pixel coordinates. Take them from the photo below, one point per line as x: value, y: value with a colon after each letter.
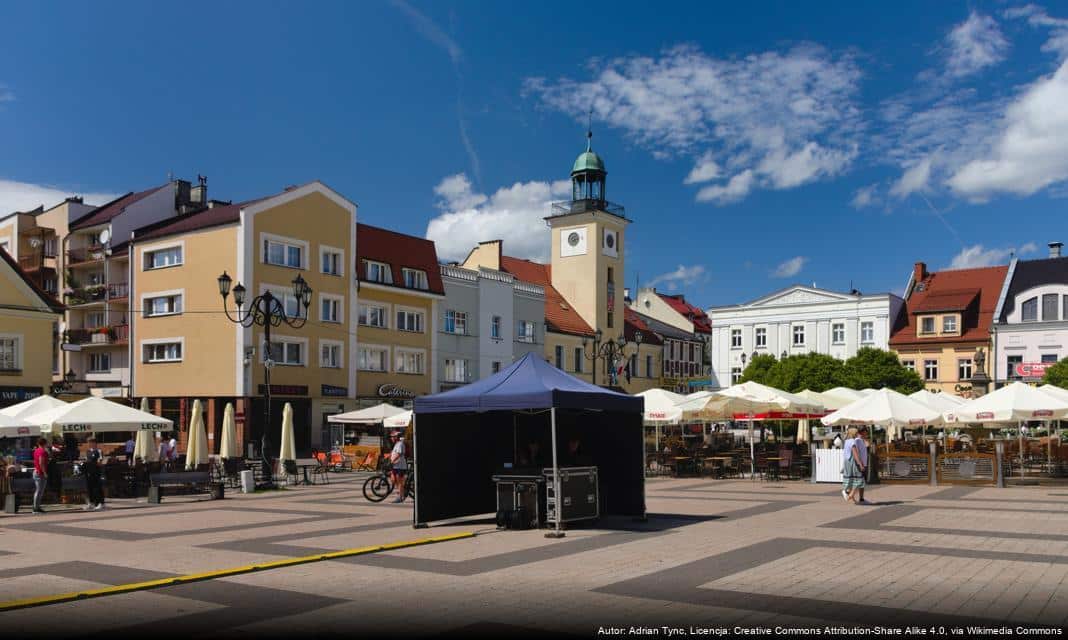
x: 193, y: 481
x: 22, y: 490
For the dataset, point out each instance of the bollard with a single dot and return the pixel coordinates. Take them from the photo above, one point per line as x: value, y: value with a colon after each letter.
x: 999, y: 452
x: 932, y: 464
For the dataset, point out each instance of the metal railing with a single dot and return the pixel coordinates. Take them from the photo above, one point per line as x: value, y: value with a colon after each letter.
x: 118, y: 290
x: 85, y: 295
x: 586, y: 206
x: 967, y: 467
x: 905, y: 466
x: 92, y: 253
x: 115, y: 334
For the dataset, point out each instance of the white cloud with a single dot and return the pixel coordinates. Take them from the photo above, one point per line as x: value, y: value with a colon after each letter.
x: 772, y: 120
x: 737, y: 188
x: 5, y: 94
x: 1029, y: 153
x: 681, y: 277
x: 706, y: 169
x: 979, y: 256
x: 975, y: 44
x: 513, y: 214
x: 24, y: 196
x: 790, y: 268
x: 865, y: 197
x: 914, y: 179
x: 1037, y: 17
x: 430, y: 30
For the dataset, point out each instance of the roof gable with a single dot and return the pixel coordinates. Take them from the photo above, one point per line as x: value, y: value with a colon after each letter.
x: 36, y: 298
x: 399, y: 251
x: 107, y: 212
x: 974, y: 292
x: 799, y: 294
x: 1029, y: 274
x: 560, y: 316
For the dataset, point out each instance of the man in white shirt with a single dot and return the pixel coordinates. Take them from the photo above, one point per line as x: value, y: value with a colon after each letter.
x: 400, y: 465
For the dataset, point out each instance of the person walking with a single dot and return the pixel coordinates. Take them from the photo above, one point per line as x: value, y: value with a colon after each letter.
x: 399, y: 468
x: 91, y: 471
x: 861, y: 444
x: 847, y: 443
x: 853, y: 473
x: 131, y: 444
x: 40, y: 473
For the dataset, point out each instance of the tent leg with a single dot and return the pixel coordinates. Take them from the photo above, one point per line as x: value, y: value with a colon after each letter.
x: 557, y: 532
x: 752, y: 450
x: 645, y: 513
x: 415, y: 484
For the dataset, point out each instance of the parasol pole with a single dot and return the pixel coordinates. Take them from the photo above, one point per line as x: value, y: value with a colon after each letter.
x: 557, y: 533
x: 1019, y: 431
x: 752, y: 448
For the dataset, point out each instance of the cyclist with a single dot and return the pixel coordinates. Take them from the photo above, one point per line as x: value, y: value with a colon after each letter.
x: 399, y: 464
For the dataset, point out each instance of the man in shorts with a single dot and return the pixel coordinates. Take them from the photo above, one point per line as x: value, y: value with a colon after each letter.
x: 399, y: 468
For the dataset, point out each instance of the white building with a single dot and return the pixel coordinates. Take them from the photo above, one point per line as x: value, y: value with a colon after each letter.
x: 1030, y: 329
x: 799, y: 320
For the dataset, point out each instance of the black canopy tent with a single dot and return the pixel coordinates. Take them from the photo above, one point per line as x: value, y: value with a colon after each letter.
x: 461, y: 437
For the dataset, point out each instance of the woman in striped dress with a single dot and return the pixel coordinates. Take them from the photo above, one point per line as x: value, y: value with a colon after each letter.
x: 854, y: 471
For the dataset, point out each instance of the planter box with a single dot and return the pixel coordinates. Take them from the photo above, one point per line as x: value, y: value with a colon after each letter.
x: 100, y: 338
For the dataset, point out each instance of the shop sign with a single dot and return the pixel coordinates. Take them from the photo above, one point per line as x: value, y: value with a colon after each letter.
x: 287, y: 389
x: 1032, y: 369
x: 18, y: 394
x: 330, y: 390
x: 393, y: 391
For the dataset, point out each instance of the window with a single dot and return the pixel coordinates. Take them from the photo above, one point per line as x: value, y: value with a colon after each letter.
x: 378, y: 272
x: 332, y: 261
x: 736, y: 339
x: 373, y: 316
x: 799, y: 335
x: 94, y: 319
x: 578, y: 359
x: 163, y: 352
x: 930, y: 369
x: 558, y: 352
x: 50, y: 247
x: 330, y: 308
x: 1049, y: 358
x: 330, y: 355
x: 525, y: 331
x: 50, y: 285
x: 964, y: 369
x: 838, y: 333
x: 1049, y: 307
x: 161, y: 258
x: 414, y: 279
x: 409, y: 320
x: 163, y: 305
x: 290, y: 304
x: 372, y: 358
x: 927, y: 324
x: 611, y: 299
x: 761, y: 338
x: 456, y: 322
x: 736, y: 375
x: 867, y: 332
x: 99, y: 362
x: 495, y: 328
x: 909, y: 364
x: 949, y: 324
x: 1010, y: 366
x: 1064, y: 310
x: 406, y: 361
x: 495, y: 367
x: 283, y: 253
x: 9, y: 354
x: 290, y: 354
x: 649, y: 372
x: 456, y: 370
x: 1029, y: 310
x: 671, y: 348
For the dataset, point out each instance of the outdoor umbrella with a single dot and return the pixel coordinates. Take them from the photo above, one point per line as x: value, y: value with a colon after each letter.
x: 748, y: 397
x: 196, y: 451
x: 1055, y: 391
x: 885, y: 408
x: 661, y: 407
x: 32, y: 406
x: 228, y: 446
x: 96, y: 415
x: 288, y: 449
x: 839, y: 397
x: 1015, y: 402
x: 145, y: 444
x: 398, y: 421
x: 814, y: 397
x: 370, y: 415
x: 940, y: 402
x: 17, y: 427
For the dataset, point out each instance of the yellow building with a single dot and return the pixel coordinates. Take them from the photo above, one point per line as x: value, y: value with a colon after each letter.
x: 28, y: 317
x: 399, y: 290
x: 184, y: 347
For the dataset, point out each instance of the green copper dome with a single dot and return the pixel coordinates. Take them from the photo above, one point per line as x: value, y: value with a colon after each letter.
x: 588, y: 161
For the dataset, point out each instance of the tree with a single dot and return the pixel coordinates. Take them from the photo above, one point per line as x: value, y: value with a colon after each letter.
x: 758, y: 368
x: 1057, y: 375
x: 814, y: 371
x: 876, y: 368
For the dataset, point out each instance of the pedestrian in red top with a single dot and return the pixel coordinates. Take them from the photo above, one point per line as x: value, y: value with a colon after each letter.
x: 40, y: 473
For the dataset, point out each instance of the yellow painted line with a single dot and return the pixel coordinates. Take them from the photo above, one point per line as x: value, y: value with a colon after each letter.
x: 222, y: 573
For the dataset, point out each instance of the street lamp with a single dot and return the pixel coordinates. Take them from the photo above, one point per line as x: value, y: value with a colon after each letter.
x: 66, y: 384
x: 265, y: 310
x: 783, y: 357
x: 609, y: 351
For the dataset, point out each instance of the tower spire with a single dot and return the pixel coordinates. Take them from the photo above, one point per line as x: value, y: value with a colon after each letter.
x: 589, y: 132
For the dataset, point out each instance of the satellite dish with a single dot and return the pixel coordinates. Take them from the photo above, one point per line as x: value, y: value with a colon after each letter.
x: 105, y: 236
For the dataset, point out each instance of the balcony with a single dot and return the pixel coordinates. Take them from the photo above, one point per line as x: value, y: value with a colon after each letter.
x: 90, y: 254
x: 35, y: 261
x: 118, y: 334
x: 96, y: 293
x: 568, y: 207
x: 118, y: 291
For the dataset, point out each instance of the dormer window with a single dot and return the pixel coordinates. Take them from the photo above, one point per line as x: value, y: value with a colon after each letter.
x: 415, y: 279
x: 378, y: 272
x: 1029, y: 310
x: 1049, y: 307
x: 927, y: 325
x: 949, y: 324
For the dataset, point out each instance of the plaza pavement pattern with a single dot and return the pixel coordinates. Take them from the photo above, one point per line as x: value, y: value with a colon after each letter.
x: 712, y: 553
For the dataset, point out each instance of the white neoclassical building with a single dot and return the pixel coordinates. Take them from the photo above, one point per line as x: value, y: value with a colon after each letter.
x: 799, y: 320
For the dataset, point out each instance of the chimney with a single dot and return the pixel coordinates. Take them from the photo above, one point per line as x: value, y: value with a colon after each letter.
x: 919, y: 272
x: 198, y: 195
x: 1055, y: 249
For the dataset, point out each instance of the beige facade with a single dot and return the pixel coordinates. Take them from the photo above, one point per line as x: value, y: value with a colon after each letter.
x: 27, y: 325
x: 395, y: 348
x: 952, y: 365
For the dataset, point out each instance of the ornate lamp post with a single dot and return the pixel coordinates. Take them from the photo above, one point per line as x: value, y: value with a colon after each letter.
x: 609, y: 351
x: 266, y: 311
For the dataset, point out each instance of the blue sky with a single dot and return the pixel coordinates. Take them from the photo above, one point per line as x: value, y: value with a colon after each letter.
x: 754, y: 145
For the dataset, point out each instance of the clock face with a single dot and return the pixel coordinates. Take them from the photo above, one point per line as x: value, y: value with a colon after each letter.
x: 610, y: 240
x: 573, y: 239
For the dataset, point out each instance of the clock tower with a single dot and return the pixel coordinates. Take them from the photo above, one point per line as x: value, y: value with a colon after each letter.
x: 588, y: 248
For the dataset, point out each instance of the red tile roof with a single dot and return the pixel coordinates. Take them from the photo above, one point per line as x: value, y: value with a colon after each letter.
x: 46, y: 298
x: 398, y: 250
x: 560, y: 316
x: 945, y: 291
x: 633, y: 322
x: 701, y: 322
x: 203, y: 219
x: 105, y: 212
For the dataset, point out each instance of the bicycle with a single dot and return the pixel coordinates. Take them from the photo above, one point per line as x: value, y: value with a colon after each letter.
x: 379, y: 486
